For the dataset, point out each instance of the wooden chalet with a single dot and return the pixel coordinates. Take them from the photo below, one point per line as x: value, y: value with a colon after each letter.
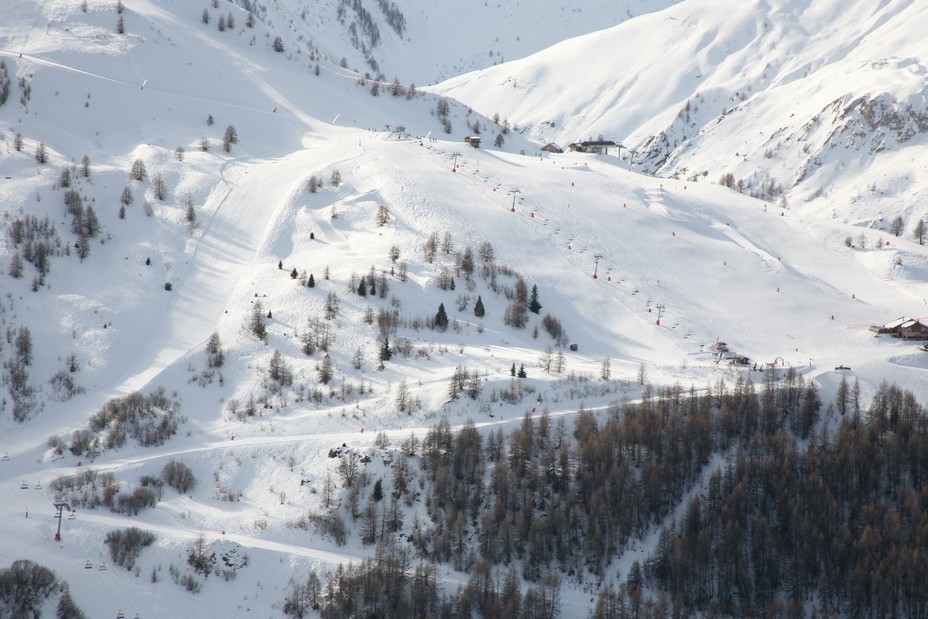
x: 890, y: 328
x: 551, y: 147
x: 916, y: 329
x: 473, y: 140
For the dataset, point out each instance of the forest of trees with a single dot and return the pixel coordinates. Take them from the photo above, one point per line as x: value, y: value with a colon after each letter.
x: 761, y: 505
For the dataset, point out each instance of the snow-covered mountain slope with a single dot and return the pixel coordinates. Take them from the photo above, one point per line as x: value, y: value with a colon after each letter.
x: 679, y: 266
x: 387, y: 37
x: 820, y: 104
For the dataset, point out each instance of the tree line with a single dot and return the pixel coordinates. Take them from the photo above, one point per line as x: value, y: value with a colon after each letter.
x: 810, y: 513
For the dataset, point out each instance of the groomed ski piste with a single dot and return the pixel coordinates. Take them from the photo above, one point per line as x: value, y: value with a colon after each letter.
x: 651, y: 273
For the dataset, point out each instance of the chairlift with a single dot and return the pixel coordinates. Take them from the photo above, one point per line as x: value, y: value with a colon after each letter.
x: 103, y: 567
x: 72, y: 516
x: 38, y: 485
x: 88, y: 565
x: 5, y: 458
x: 120, y: 615
x: 24, y: 486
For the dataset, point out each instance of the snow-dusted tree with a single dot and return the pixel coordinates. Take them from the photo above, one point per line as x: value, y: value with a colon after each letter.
x: 303, y: 596
x: 250, y: 20
x: 138, y: 171
x: 546, y: 359
x: 499, y: 141
x: 521, y: 291
x: 64, y: 179
x: 919, y: 232
x: 215, y: 356
x: 394, y: 253
x: 325, y: 370
x: 41, y: 154
x: 67, y: 608
x: 430, y: 248
x: 229, y: 138
x: 403, y: 398
x: 466, y: 262
x: 278, y: 45
x: 256, y: 324
x: 204, y: 144
x: 605, y: 371
x: 442, y: 107
x: 179, y: 476
x: 385, y: 352
x: 331, y: 306
x: 486, y: 252
x: 441, y: 318
x: 18, y: 142
x: 335, y: 179
x: 126, y: 196
x: 383, y: 215
x: 277, y: 369
x: 472, y: 386
x: 16, y: 266
x: 382, y: 286
x: 897, y: 225
x: 458, y: 382
x: 447, y: 243
x: 204, y: 17
x: 516, y: 315
x: 120, y: 25
x: 159, y: 186
x: 85, y: 166
x: 191, y: 214
x: 200, y: 557
x: 479, y: 310
x: 24, y: 346
x: 313, y: 184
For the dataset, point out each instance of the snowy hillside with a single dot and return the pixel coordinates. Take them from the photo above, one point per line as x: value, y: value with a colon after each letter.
x: 388, y: 38
x: 821, y: 106
x: 221, y: 248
